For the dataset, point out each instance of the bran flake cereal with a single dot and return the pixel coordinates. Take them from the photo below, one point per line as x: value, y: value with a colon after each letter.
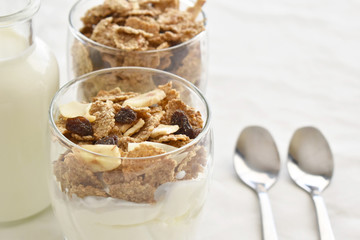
x: 144, y: 167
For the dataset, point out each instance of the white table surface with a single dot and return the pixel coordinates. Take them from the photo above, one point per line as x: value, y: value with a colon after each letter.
x: 281, y: 64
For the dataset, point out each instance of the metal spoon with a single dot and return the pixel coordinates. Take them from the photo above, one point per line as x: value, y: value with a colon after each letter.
x: 257, y: 163
x: 310, y: 165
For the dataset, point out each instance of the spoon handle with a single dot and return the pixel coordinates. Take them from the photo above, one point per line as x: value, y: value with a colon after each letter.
x: 268, y: 225
x: 325, y: 229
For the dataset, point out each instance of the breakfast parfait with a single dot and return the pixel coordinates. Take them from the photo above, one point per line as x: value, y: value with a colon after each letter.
x: 129, y: 163
x: 164, y: 34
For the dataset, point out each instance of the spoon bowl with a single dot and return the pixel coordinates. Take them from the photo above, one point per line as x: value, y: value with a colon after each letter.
x: 310, y: 162
x: 310, y: 165
x: 257, y: 163
x: 256, y: 158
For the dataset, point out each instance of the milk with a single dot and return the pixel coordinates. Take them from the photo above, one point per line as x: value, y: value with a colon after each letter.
x: 28, y: 80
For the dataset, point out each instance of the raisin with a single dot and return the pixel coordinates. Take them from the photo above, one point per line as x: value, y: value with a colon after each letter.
x: 179, y: 118
x: 197, y: 131
x: 79, y: 125
x: 108, y: 140
x: 125, y: 116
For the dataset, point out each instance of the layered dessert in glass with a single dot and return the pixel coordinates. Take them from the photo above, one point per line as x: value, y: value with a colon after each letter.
x: 169, y: 35
x: 131, y: 155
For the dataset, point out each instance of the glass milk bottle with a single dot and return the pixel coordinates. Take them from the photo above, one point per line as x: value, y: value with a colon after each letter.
x: 28, y: 80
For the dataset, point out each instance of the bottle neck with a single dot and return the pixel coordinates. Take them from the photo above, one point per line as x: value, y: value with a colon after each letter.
x: 15, y: 39
x: 16, y: 28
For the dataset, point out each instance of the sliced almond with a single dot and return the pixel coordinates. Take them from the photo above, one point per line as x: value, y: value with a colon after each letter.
x: 135, y: 128
x: 97, y: 163
x: 146, y: 99
x: 76, y: 109
x: 124, y: 127
x: 163, y: 129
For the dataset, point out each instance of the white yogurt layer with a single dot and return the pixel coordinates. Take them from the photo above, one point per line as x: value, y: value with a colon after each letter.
x: 172, y: 217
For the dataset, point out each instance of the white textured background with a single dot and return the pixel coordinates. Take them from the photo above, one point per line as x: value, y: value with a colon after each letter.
x: 281, y: 64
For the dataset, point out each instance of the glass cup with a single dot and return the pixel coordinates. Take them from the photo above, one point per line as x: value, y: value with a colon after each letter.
x: 188, y: 59
x: 80, y: 197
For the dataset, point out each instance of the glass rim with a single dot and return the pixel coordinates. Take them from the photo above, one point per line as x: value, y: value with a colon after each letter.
x: 95, y: 44
x: 205, y: 129
x: 24, y: 14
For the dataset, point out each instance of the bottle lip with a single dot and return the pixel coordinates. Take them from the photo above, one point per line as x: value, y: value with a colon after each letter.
x: 22, y: 15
